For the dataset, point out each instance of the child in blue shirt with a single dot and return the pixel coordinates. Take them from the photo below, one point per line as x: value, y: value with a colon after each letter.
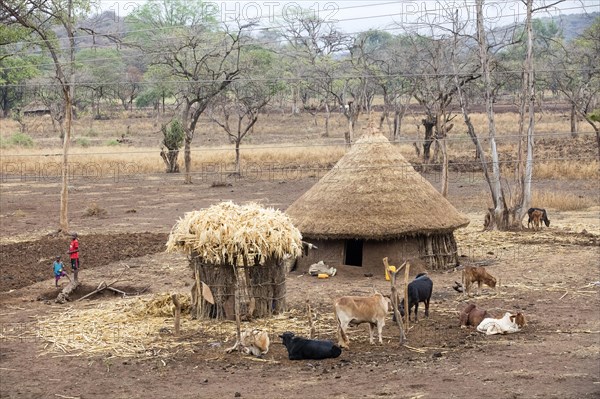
x: 58, y: 271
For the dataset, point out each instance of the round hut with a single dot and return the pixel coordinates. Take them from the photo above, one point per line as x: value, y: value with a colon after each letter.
x: 236, y: 253
x: 373, y: 204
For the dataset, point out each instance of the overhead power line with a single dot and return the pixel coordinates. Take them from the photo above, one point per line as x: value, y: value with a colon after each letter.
x: 270, y: 28
x: 294, y: 79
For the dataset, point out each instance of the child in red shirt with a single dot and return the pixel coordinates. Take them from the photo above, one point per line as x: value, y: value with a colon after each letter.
x: 74, y: 253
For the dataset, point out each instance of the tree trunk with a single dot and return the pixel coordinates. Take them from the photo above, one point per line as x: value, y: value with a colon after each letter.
x: 524, y: 179
x: 397, y: 125
x: 444, y: 167
x: 327, y: 116
x: 350, y: 132
x: 237, y: 157
x: 574, y: 124
x: 429, y: 124
x: 170, y: 159
x: 495, y: 183
x: 187, y: 158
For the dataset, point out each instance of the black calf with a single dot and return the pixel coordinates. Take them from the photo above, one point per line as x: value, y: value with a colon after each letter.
x: 301, y: 348
x: 419, y: 290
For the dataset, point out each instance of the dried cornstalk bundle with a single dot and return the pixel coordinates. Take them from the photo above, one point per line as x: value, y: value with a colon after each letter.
x: 161, y: 305
x: 228, y: 234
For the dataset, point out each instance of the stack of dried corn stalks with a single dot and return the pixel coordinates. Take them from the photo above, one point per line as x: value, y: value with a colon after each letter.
x: 227, y: 234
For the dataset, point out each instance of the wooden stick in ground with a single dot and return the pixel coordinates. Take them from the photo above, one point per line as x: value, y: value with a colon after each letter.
x: 394, y: 294
x: 406, y: 305
x: 177, y: 312
x: 238, y: 321
x: 101, y: 287
x: 311, y: 325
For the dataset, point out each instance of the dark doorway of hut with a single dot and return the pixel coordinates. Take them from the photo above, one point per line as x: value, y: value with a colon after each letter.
x: 353, y: 252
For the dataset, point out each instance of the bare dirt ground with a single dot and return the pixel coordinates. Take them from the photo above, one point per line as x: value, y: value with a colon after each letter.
x: 551, y: 276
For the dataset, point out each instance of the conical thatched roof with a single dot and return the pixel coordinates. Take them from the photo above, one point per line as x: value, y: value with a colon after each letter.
x: 226, y: 233
x: 373, y: 193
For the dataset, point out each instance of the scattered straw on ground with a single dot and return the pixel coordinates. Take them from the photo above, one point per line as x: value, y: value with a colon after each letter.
x: 143, y: 327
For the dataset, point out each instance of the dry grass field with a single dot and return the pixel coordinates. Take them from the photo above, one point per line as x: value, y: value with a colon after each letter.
x: 123, y: 206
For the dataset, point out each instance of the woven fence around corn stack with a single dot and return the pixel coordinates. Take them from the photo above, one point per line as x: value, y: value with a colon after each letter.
x: 228, y: 234
x: 141, y: 327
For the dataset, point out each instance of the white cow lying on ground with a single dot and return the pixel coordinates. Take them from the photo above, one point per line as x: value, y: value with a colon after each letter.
x: 510, y: 323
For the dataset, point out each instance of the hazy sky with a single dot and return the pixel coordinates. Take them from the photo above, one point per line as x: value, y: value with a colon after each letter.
x: 358, y: 15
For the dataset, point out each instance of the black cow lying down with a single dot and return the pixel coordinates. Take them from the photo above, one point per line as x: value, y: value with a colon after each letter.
x: 301, y: 348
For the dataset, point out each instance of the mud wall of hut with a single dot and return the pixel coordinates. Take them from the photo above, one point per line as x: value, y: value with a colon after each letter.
x: 434, y: 252
x: 329, y: 251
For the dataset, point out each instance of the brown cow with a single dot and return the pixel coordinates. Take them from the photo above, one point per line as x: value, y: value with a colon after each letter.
x: 354, y: 310
x: 472, y: 316
x: 479, y: 275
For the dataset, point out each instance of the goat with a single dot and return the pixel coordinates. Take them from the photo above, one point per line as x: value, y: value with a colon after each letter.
x: 301, y: 348
x: 479, y: 275
x: 355, y: 310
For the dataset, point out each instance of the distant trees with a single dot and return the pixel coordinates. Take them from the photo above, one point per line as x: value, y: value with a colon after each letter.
x: 312, y: 49
x: 16, y: 67
x: 237, y: 108
x: 200, y: 55
x: 575, y: 72
x: 99, y: 72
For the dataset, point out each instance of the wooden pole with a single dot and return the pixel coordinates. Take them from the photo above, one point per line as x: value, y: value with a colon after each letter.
x: 310, y: 319
x: 177, y: 313
x: 394, y: 294
x: 406, y: 306
x: 238, y: 322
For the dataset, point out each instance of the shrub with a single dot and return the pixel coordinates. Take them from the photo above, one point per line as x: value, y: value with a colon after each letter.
x: 21, y: 140
x: 94, y: 210
x: 112, y: 143
x: 83, y: 142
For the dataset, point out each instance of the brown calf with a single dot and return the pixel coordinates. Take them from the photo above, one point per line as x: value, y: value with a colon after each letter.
x: 477, y: 275
x: 536, y: 218
x: 472, y: 316
x: 519, y: 319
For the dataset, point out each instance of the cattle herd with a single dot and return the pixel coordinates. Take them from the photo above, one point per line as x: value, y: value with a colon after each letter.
x: 355, y: 310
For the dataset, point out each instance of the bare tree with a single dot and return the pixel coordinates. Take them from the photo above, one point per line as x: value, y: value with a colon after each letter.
x: 391, y: 71
x: 40, y: 17
x: 506, y: 212
x: 314, y: 43
x: 576, y: 74
x: 200, y: 55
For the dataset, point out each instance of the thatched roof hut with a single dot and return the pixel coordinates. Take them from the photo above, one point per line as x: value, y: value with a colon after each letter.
x: 236, y: 252
x: 373, y: 204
